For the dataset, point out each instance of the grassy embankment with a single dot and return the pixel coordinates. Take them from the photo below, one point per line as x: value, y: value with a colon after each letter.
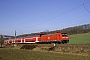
x: 17, y: 54
x: 80, y: 38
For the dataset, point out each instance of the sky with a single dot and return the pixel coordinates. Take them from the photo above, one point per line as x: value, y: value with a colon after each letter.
x: 32, y: 16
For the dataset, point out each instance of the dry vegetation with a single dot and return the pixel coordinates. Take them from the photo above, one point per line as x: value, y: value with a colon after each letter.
x: 46, y: 52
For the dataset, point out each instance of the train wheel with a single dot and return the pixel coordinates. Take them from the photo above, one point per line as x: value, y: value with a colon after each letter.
x: 59, y: 42
x: 63, y: 42
x: 49, y: 42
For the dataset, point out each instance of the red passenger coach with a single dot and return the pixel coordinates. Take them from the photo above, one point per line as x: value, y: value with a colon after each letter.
x: 41, y: 38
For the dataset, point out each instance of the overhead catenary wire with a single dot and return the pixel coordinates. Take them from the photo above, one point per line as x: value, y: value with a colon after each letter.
x: 61, y: 14
x: 86, y: 8
x: 56, y: 16
x: 75, y: 18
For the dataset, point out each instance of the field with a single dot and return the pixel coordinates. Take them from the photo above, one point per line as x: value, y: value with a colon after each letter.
x: 19, y: 54
x: 78, y: 48
x: 80, y: 38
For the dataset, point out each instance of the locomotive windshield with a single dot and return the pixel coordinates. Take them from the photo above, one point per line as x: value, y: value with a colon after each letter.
x: 64, y: 34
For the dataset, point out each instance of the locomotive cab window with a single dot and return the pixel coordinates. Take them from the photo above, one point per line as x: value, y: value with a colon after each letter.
x: 64, y: 34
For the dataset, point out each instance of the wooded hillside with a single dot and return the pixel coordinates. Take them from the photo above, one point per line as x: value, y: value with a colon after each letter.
x: 70, y: 30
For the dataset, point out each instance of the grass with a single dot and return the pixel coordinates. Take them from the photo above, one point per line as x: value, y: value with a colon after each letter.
x: 79, y: 38
x: 19, y: 54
